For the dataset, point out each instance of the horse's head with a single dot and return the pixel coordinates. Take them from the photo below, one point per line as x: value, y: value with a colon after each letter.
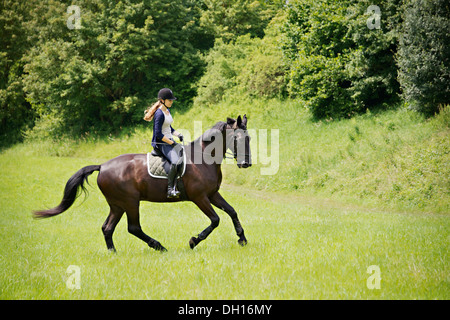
x: 238, y: 141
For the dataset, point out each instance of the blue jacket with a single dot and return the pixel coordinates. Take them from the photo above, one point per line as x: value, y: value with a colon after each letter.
x: 158, y: 120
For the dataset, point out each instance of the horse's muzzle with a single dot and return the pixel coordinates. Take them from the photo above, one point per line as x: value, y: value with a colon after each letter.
x: 244, y: 164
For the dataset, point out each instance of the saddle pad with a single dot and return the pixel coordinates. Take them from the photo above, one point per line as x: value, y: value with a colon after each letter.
x: 158, y: 167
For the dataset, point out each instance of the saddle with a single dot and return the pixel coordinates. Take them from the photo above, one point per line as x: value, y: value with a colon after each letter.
x: 158, y: 166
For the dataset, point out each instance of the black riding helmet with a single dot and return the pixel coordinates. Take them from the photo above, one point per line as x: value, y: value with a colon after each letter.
x: 166, y: 94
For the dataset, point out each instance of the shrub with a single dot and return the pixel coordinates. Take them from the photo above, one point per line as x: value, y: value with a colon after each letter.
x: 246, y: 66
x: 339, y: 66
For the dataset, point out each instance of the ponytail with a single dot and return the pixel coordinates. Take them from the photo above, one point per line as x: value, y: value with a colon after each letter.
x: 150, y: 112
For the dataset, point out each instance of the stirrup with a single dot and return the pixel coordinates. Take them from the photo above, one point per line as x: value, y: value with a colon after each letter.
x: 173, y: 194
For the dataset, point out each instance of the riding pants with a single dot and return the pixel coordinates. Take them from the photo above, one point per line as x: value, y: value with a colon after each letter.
x: 173, y: 154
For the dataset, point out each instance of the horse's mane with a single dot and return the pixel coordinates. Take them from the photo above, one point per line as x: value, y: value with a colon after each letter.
x: 211, y: 132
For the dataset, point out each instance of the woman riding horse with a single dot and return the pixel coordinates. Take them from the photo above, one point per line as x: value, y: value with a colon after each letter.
x: 125, y: 182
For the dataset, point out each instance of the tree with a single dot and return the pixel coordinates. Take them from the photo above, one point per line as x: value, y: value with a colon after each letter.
x: 15, y: 111
x: 338, y: 65
x: 104, y: 74
x: 229, y: 19
x: 244, y: 66
x: 424, y: 55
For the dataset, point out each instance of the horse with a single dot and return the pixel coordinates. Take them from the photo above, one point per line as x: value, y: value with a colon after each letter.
x: 124, y: 182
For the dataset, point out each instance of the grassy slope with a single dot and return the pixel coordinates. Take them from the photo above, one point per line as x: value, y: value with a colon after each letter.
x: 395, y: 159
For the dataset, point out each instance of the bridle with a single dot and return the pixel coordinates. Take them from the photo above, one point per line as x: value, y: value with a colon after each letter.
x: 233, y: 154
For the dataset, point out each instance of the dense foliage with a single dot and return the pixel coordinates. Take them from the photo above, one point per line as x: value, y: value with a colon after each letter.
x: 15, y: 112
x: 106, y: 72
x: 424, y: 57
x: 245, y: 66
x: 228, y: 19
x: 339, y: 63
x: 66, y: 75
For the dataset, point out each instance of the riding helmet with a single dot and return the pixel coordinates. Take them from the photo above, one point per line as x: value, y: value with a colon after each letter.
x: 166, y: 94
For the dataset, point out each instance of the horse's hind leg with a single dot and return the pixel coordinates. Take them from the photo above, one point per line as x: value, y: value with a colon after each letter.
x: 110, y: 224
x: 134, y: 227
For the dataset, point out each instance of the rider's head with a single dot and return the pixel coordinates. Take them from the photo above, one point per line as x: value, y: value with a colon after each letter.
x: 166, y: 97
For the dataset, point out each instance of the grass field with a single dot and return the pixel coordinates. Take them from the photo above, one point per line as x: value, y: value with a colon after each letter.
x: 369, y: 191
x: 300, y: 247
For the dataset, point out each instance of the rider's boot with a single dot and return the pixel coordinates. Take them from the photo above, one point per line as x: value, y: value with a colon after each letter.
x: 172, y: 192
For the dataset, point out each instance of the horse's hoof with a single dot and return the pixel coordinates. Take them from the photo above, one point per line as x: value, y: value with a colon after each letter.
x: 242, y: 242
x: 193, y: 242
x: 156, y: 245
x: 161, y: 248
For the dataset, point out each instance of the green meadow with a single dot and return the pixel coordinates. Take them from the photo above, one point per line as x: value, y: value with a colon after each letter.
x: 348, y: 195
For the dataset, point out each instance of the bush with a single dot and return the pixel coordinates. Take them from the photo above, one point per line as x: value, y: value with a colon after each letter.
x: 264, y: 74
x: 339, y: 66
x: 424, y: 55
x: 246, y: 66
x: 229, y: 19
x: 222, y: 65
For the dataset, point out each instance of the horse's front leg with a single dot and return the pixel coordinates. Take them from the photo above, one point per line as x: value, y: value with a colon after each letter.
x: 218, y: 201
x: 205, y: 205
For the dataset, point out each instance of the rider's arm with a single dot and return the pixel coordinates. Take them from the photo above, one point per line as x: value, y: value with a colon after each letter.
x: 158, y: 123
x: 176, y: 133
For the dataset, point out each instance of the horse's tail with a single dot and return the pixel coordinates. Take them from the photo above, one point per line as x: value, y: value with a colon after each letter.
x: 70, y: 192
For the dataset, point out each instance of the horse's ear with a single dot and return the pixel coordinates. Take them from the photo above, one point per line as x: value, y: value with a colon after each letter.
x: 230, y: 121
x: 244, y: 120
x: 239, y: 121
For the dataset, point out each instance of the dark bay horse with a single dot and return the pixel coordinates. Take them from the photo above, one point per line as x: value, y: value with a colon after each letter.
x: 124, y: 181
